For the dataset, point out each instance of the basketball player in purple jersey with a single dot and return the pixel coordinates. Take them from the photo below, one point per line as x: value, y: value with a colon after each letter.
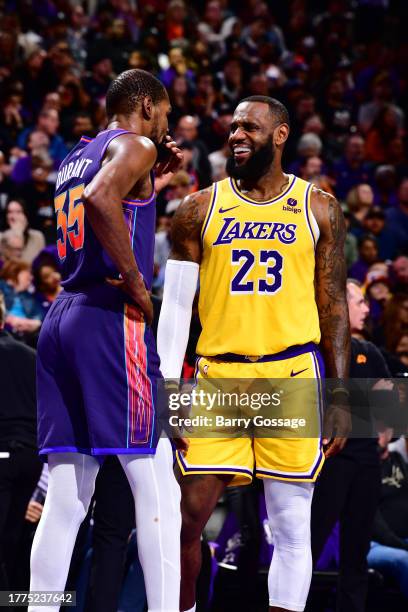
x: 97, y: 361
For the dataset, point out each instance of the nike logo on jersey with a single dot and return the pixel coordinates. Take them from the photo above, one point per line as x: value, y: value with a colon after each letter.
x: 296, y: 373
x: 224, y: 210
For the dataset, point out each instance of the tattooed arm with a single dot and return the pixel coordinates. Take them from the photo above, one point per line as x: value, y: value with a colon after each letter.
x: 330, y: 283
x: 186, y: 226
x: 331, y: 299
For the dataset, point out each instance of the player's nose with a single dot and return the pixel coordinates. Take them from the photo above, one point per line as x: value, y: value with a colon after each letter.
x: 238, y: 137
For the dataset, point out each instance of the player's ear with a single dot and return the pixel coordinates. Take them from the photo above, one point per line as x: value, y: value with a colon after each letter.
x: 280, y: 134
x: 147, y: 107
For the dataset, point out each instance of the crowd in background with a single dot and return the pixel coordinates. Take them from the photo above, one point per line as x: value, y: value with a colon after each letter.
x: 338, y: 65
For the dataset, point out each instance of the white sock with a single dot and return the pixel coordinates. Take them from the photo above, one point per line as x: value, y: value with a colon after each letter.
x: 288, y: 505
x: 158, y: 522
x: 70, y: 489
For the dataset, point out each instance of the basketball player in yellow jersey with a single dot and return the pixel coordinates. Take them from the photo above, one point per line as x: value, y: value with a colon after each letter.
x: 269, y: 251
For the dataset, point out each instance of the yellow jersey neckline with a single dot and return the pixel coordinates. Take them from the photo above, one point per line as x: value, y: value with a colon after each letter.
x: 235, y: 189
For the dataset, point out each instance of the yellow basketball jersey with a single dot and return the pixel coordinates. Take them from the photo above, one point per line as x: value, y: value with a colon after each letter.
x: 257, y: 292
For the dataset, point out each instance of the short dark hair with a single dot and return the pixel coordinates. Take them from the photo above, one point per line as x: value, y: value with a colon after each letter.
x: 278, y: 109
x: 367, y: 238
x: 129, y: 88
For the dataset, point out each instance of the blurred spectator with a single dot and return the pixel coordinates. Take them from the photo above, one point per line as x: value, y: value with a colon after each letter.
x: 6, y: 185
x: 23, y: 315
x: 351, y: 169
x: 397, y: 218
x: 16, y: 219
x: 76, y: 35
x: 401, y: 349
x: 231, y: 78
x: 162, y: 247
x: 400, y: 270
x: 37, y: 143
x: 52, y: 100
x: 395, y: 320
x: 314, y: 125
x: 389, y: 548
x: 367, y: 255
x: 385, y: 188
x: 398, y: 158
x: 336, y: 113
x: 176, y: 15
x: 355, y: 470
x: 214, y: 29
x: 47, y: 122
x: 374, y: 223
x: 47, y: 282
x: 177, y: 67
x: 179, y: 188
x: 309, y: 145
x: 378, y: 293
x: 350, y: 244
x: 33, y: 74
x: 81, y: 126
x: 12, y: 111
x: 180, y: 99
x: 218, y: 159
x: 96, y: 85
x: 384, y: 129
x: 38, y: 192
x: 72, y: 100
x: 311, y: 171
x: 12, y: 246
x: 381, y: 97
x: 187, y: 132
x: 304, y: 108
x: 359, y: 201
x: 20, y: 465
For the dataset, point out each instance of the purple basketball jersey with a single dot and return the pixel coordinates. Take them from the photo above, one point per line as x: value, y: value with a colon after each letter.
x: 97, y: 364
x: 84, y: 261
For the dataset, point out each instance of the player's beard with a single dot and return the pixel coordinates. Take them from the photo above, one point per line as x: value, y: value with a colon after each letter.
x: 256, y: 166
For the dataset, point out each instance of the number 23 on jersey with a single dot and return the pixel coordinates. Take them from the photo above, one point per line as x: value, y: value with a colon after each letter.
x: 70, y: 220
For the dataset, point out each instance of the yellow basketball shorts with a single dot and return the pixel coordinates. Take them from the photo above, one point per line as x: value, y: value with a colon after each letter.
x: 281, y: 440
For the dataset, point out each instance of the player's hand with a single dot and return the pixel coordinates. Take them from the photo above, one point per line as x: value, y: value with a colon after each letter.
x: 383, y: 385
x: 137, y: 291
x: 33, y: 512
x: 176, y: 427
x: 166, y: 168
x: 336, y: 428
x: 181, y: 444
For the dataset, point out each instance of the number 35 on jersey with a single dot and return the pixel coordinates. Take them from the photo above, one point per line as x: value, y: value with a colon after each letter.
x: 70, y: 220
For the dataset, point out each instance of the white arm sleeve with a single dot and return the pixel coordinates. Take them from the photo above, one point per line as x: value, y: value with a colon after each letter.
x: 180, y: 285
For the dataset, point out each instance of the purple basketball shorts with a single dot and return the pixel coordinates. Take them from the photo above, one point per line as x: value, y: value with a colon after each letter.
x: 97, y: 375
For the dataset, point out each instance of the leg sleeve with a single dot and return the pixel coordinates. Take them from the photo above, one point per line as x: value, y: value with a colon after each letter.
x: 158, y: 523
x: 289, y: 506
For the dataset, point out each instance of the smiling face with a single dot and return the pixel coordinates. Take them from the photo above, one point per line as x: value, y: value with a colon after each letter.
x: 255, y: 138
